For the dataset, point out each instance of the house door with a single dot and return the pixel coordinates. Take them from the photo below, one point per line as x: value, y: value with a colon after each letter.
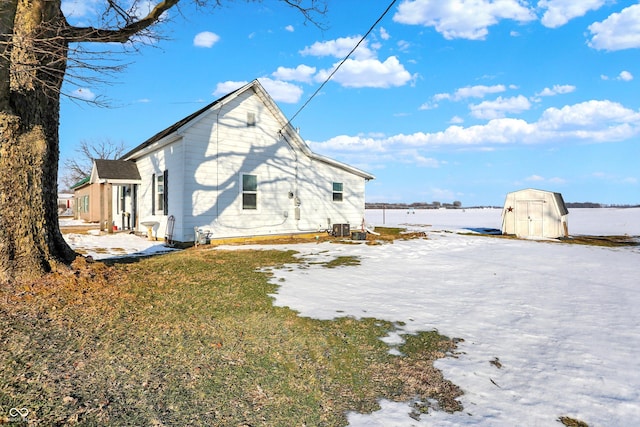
x: 529, y: 218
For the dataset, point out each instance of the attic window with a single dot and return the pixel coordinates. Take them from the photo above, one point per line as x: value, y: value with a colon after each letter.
x: 251, y: 119
x: 337, y: 192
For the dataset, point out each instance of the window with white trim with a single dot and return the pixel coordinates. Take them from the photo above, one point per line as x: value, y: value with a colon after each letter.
x: 249, y: 191
x: 337, y: 191
x: 159, y: 194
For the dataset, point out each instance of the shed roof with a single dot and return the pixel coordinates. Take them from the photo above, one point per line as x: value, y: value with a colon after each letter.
x: 557, y: 197
x: 560, y: 202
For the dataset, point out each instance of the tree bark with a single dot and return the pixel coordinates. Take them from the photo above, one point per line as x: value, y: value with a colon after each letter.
x: 31, y: 243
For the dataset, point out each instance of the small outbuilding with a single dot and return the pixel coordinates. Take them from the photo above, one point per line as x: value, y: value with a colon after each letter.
x: 532, y: 213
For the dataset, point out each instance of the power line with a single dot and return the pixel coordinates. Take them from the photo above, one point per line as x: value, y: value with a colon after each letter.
x: 342, y: 62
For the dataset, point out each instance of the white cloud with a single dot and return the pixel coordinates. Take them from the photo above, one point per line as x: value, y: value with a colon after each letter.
x: 559, y: 12
x: 456, y: 120
x: 278, y: 90
x: 403, y: 45
x: 589, y: 117
x: 289, y: 28
x: 414, y: 157
x: 556, y: 90
x: 500, y: 107
x: 302, y: 73
x: 368, y: 73
x: 619, y: 31
x: 205, y: 39
x: 281, y: 91
x: 228, y: 87
x: 479, y: 91
x: 384, y: 34
x: 78, y: 8
x: 534, y: 178
x: 625, y: 76
x: 84, y: 94
x: 428, y: 106
x: 340, y: 48
x: 467, y: 19
x: 591, y: 121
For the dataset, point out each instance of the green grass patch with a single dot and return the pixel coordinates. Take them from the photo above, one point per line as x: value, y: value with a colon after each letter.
x: 390, y: 231
x: 342, y: 261
x: 192, y: 338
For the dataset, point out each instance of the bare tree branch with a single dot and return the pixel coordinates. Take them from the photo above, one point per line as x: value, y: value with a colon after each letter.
x: 121, y: 35
x: 79, y: 166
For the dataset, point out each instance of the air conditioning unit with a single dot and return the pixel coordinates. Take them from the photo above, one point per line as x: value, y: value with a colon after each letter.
x: 341, y: 230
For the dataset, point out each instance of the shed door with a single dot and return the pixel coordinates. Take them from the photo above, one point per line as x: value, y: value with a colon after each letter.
x: 529, y: 218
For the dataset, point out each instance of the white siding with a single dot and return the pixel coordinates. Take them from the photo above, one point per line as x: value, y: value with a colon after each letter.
x: 206, y: 166
x: 168, y: 158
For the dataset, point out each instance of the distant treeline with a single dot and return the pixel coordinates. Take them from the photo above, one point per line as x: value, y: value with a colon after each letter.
x: 417, y: 205
x: 597, y: 205
x: 458, y: 205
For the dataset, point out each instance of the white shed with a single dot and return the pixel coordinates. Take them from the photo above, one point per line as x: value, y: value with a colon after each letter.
x: 532, y: 213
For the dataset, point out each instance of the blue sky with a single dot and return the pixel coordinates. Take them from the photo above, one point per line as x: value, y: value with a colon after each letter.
x: 445, y: 100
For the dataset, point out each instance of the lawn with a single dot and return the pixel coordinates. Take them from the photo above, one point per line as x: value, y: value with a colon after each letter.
x: 192, y: 338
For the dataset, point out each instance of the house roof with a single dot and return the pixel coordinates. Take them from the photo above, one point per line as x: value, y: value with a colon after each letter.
x: 81, y: 183
x: 174, y: 127
x: 119, y: 170
x: 287, y: 131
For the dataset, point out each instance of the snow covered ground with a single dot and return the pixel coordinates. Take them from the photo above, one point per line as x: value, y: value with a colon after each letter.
x: 92, y: 243
x: 563, y: 320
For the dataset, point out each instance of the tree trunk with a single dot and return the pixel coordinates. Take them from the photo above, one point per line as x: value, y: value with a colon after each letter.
x: 31, y: 243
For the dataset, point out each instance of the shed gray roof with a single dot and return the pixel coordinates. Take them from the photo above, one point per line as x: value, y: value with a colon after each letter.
x: 117, y: 169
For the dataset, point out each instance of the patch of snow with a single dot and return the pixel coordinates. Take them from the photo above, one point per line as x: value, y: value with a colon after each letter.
x: 105, y: 246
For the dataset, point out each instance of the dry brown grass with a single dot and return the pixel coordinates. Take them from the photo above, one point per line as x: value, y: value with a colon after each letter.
x: 192, y: 338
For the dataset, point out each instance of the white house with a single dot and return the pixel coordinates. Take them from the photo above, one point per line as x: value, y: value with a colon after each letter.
x: 238, y: 168
x: 532, y: 213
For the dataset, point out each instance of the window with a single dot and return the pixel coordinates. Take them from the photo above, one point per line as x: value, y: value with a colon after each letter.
x: 249, y: 191
x: 84, y: 204
x: 159, y: 194
x: 251, y: 119
x: 337, y: 191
